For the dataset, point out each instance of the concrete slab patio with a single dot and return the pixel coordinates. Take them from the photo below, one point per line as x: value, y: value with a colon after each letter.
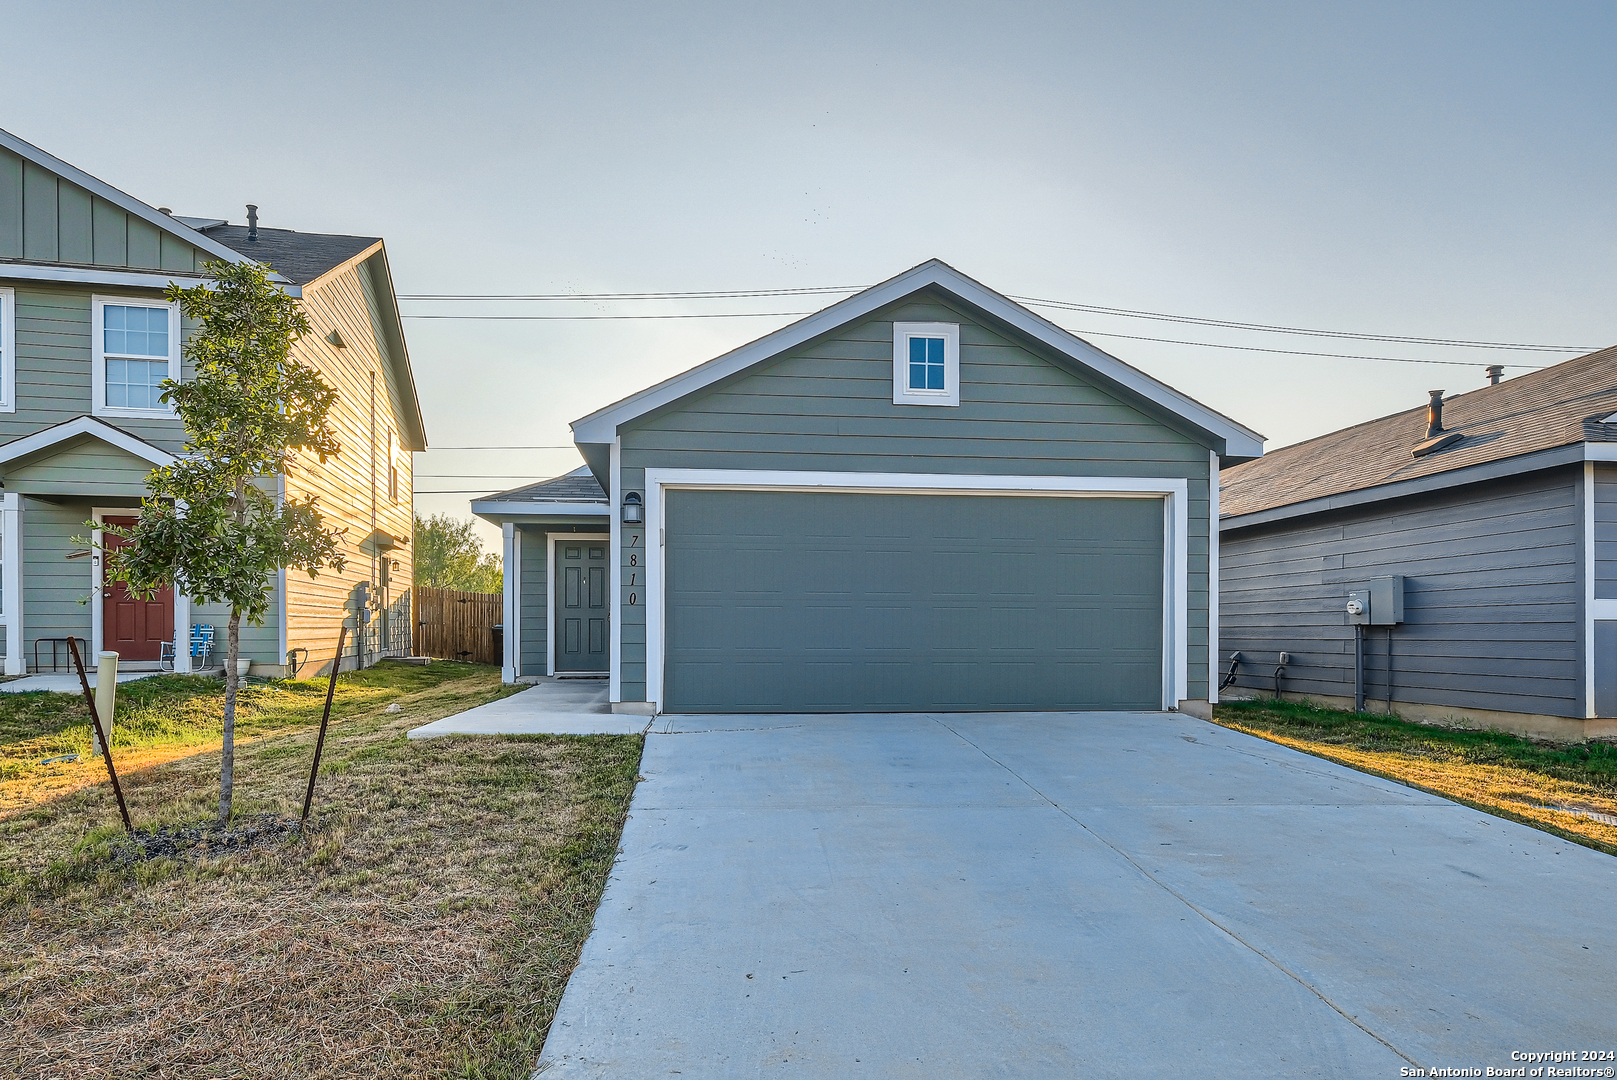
x: 64, y: 684
x: 550, y: 707
x: 1066, y: 895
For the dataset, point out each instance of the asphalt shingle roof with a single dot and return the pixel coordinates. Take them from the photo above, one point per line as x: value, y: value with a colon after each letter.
x: 299, y: 257
x: 578, y: 486
x: 1554, y: 407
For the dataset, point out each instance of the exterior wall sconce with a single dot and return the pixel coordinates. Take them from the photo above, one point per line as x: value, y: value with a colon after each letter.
x: 632, y: 513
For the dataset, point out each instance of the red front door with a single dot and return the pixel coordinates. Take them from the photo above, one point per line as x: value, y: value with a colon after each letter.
x: 135, y: 629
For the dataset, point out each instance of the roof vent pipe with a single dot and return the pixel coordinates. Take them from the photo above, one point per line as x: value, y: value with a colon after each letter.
x: 1436, y: 438
x: 1434, y: 415
x: 252, y: 224
x: 1495, y: 373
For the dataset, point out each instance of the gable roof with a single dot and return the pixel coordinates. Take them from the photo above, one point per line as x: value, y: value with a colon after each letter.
x: 600, y: 427
x: 128, y: 203
x: 1555, y: 407
x: 299, y: 257
x: 571, y: 494
x: 79, y: 427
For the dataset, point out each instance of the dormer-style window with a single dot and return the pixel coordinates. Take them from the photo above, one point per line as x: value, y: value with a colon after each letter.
x: 136, y: 347
x: 926, y: 363
x: 8, y: 350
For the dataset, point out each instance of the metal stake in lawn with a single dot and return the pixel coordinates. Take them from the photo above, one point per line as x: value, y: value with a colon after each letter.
x: 100, y: 732
x: 319, y: 743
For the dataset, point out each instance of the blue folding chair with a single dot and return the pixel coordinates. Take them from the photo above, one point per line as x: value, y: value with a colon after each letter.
x: 201, y: 644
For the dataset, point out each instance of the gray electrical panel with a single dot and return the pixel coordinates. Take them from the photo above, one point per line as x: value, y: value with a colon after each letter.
x: 1379, y: 603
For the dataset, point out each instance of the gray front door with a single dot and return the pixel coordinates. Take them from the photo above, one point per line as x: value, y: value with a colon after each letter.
x: 581, y: 611
x: 852, y: 602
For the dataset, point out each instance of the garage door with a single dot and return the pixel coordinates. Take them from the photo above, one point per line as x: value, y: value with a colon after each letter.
x: 880, y: 602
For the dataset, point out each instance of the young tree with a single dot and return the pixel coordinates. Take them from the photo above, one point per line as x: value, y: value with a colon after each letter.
x: 448, y: 555
x: 209, y: 528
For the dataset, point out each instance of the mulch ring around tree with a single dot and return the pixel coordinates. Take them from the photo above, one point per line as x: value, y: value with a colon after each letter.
x: 208, y: 842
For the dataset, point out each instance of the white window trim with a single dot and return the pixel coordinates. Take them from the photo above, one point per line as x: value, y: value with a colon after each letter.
x: 550, y: 594
x: 8, y: 349
x: 1173, y: 491
x: 950, y: 333
x: 98, y: 358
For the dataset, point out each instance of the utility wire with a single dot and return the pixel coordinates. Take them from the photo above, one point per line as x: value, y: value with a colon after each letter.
x: 594, y: 318
x: 559, y: 446
x: 1065, y: 305
x: 701, y: 294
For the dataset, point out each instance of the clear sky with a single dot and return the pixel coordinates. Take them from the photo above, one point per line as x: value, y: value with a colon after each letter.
x: 1433, y: 169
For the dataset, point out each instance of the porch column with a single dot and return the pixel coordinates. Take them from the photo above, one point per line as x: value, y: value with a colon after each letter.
x: 182, y: 633
x: 508, y: 672
x: 11, y: 581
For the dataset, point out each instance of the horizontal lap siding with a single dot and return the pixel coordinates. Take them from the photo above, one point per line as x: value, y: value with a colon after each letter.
x: 53, y: 341
x: 828, y: 406
x: 344, y: 485
x: 535, y: 611
x: 55, y: 591
x: 1491, y: 600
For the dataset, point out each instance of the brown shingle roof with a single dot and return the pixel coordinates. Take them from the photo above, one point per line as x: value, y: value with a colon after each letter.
x: 1554, y: 407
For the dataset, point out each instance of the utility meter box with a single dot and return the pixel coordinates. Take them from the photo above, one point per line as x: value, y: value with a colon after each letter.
x: 1379, y: 603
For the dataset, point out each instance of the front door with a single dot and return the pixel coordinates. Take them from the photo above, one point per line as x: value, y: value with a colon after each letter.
x: 581, y: 607
x: 133, y: 628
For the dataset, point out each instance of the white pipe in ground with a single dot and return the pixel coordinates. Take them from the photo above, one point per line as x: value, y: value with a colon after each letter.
x: 106, y: 696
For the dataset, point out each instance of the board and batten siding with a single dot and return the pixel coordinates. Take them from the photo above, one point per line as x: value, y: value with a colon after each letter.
x: 45, y: 218
x: 55, y: 590
x: 828, y: 406
x: 1492, y: 598
x: 352, y: 487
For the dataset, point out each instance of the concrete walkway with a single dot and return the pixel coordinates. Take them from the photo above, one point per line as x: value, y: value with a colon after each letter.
x: 551, y: 707
x: 65, y: 684
x: 1063, y: 895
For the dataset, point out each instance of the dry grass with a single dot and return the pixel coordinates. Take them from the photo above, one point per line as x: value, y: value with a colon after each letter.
x: 1538, y: 784
x: 426, y: 927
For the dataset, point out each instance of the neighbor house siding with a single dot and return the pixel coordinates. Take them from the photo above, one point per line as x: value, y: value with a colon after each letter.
x: 828, y: 406
x: 46, y: 218
x: 535, y: 610
x: 1492, y: 598
x: 1605, y: 531
x: 351, y: 487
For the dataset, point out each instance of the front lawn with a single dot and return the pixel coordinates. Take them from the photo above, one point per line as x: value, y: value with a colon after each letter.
x: 1566, y: 789
x: 424, y: 927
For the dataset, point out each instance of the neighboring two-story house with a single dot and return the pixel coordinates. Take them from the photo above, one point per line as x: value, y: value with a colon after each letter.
x: 86, y: 338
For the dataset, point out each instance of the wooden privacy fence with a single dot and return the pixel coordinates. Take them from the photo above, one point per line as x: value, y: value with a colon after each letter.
x: 454, y: 625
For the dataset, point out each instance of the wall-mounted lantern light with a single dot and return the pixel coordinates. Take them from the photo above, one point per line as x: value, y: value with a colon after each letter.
x: 632, y: 508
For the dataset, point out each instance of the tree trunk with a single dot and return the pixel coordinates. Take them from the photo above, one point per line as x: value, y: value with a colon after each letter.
x: 227, y: 761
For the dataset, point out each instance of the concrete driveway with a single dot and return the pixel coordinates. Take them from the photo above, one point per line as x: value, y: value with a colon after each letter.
x: 1069, y: 895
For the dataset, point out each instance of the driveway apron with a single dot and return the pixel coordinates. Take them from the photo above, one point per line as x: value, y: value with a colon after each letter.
x: 1068, y: 895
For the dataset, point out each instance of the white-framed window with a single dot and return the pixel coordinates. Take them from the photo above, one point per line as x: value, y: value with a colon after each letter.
x: 136, y: 345
x: 926, y: 363
x: 8, y: 349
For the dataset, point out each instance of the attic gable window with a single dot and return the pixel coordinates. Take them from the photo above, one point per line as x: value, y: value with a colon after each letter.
x: 926, y: 363
x: 136, y: 347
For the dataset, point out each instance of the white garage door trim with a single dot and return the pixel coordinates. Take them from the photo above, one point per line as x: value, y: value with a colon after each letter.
x: 1174, y: 492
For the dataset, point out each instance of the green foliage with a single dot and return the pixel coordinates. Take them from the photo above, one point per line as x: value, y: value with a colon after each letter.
x: 209, y: 526
x: 448, y: 555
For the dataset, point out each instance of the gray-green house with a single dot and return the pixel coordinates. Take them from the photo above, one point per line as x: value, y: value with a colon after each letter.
x: 86, y: 339
x: 922, y: 498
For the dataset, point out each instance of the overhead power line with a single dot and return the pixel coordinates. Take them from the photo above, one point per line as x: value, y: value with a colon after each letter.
x: 593, y: 318
x: 1064, y: 305
x: 700, y: 294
